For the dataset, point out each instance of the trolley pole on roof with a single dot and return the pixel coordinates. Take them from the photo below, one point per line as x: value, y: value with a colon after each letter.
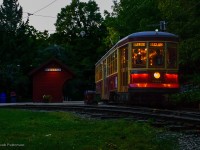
x: 162, y: 26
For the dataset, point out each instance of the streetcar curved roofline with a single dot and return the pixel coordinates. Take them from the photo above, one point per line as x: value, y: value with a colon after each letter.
x: 143, y: 36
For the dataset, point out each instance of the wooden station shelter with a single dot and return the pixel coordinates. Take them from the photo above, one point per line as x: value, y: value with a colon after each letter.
x: 49, y: 79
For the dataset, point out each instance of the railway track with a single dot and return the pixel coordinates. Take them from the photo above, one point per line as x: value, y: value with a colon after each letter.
x: 173, y: 120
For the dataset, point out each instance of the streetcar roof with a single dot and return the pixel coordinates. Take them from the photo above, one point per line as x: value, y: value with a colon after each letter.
x: 152, y: 34
x: 143, y: 36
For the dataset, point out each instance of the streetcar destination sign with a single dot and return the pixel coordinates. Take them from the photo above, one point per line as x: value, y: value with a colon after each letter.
x: 156, y: 44
x: 139, y: 44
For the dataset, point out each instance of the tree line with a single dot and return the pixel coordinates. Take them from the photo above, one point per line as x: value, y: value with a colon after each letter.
x: 83, y: 35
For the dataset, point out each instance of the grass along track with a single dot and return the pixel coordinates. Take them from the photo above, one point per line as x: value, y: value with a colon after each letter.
x: 175, y: 120
x: 62, y: 130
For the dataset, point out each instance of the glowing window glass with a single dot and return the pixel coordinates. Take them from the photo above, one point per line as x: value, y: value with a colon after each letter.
x: 52, y: 69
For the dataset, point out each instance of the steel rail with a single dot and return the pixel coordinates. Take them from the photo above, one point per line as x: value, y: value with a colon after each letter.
x: 190, y: 118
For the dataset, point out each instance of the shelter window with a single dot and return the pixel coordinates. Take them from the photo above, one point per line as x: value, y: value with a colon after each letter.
x: 139, y: 57
x: 156, y: 55
x: 53, y: 69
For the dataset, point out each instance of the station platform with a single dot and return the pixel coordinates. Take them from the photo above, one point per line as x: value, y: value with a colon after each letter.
x: 31, y: 103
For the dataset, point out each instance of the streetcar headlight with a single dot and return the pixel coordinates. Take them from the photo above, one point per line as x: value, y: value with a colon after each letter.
x: 156, y: 75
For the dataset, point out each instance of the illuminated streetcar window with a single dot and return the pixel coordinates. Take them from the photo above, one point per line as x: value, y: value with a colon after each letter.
x: 98, y: 73
x: 124, y: 66
x: 139, y: 52
x: 156, y: 55
x: 139, y: 57
x: 112, y: 63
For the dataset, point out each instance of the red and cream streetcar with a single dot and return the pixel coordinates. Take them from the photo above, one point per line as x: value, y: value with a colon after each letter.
x: 142, y: 63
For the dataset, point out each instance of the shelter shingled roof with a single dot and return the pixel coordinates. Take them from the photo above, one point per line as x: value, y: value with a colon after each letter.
x: 52, y: 60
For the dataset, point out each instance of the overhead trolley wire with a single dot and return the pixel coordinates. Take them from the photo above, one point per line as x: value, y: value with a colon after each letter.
x: 44, y: 7
x: 29, y: 14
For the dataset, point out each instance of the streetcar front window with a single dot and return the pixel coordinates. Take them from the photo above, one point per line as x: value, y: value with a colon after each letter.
x: 139, y: 52
x: 156, y: 55
x: 171, y: 55
x: 156, y: 58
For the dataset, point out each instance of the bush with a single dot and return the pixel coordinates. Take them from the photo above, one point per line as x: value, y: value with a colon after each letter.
x: 47, y: 98
x: 187, y: 98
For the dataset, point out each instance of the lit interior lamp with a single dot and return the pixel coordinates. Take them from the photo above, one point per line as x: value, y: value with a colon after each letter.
x: 156, y: 75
